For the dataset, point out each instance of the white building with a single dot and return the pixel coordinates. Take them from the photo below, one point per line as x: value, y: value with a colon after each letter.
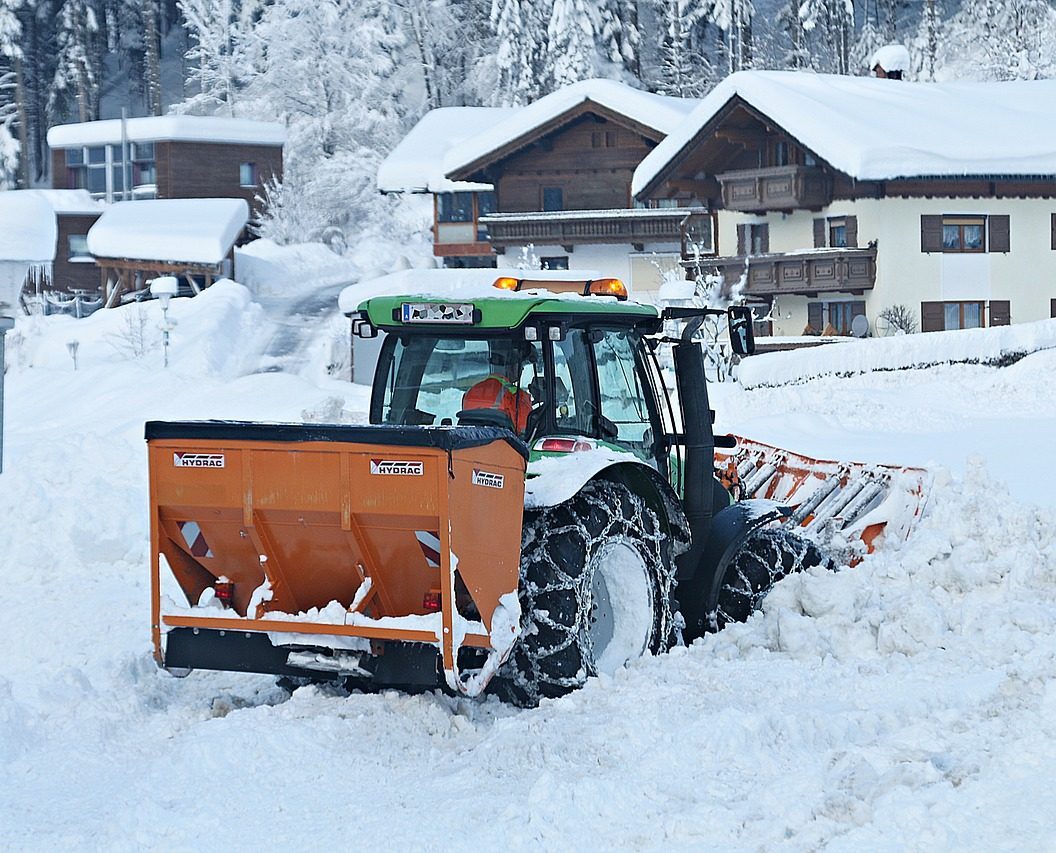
x: 839, y: 196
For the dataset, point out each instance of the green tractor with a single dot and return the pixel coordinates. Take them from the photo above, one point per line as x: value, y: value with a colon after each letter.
x: 630, y: 543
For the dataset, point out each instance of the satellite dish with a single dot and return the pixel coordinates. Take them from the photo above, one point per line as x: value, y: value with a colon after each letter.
x: 882, y: 326
x: 859, y: 326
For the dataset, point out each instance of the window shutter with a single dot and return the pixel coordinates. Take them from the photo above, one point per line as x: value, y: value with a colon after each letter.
x: 742, y: 239
x: 1053, y: 227
x: 815, y: 317
x: 932, y: 316
x: 857, y: 307
x: 999, y: 238
x: 819, y: 233
x: 851, y: 224
x: 764, y: 237
x: 930, y: 235
x: 1052, y: 308
x: 1000, y: 312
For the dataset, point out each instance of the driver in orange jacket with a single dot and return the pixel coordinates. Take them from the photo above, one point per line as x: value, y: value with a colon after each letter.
x: 499, y: 393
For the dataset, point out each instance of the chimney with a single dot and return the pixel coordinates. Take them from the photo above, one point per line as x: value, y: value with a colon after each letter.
x: 890, y: 62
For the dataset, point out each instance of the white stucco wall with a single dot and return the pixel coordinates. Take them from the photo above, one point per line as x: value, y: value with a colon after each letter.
x: 641, y: 271
x: 1025, y: 276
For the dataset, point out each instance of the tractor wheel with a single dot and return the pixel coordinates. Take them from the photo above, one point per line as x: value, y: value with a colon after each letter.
x: 596, y: 579
x: 767, y: 556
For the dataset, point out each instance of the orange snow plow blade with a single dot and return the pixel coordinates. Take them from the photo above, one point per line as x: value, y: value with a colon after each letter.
x: 840, y: 503
x: 326, y: 548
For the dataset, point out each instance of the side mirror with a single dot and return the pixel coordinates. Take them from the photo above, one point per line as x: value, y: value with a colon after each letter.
x: 742, y: 330
x: 363, y: 328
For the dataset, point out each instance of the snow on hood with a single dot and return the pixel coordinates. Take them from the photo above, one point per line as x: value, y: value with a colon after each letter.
x: 464, y: 284
x: 187, y: 230
x: 660, y: 112
x: 874, y: 129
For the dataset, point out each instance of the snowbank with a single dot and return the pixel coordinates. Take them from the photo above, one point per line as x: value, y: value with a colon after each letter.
x: 185, y: 230
x: 269, y: 269
x: 881, y: 129
x: 971, y: 346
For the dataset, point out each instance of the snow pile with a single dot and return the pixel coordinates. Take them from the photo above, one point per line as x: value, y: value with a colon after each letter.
x: 873, y: 130
x: 67, y: 201
x: 999, y: 345
x: 217, y: 333
x: 267, y: 268
x: 184, y: 230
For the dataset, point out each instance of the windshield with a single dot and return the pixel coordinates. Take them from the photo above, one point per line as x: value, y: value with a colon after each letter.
x: 430, y: 379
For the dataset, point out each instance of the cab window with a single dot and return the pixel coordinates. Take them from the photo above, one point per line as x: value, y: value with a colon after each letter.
x: 625, y: 418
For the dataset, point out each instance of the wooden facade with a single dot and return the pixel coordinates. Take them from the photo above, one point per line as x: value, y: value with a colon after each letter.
x: 199, y: 169
x: 120, y: 279
x: 582, y: 160
x: 69, y: 274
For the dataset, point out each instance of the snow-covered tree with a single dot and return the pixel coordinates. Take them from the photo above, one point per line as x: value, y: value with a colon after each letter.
x: 734, y: 18
x: 78, y: 65
x: 832, y: 23
x: 573, y: 34
x: 684, y: 70
x: 521, y: 33
x: 218, y: 53
x: 1000, y: 40
x: 925, y: 46
x: 13, y: 153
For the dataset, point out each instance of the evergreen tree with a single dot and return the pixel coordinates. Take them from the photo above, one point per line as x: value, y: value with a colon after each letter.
x: 573, y: 34
x: 520, y: 28
x: 78, y: 65
x: 832, y: 22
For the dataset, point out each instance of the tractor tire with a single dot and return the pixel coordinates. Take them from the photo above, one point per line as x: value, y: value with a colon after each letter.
x: 767, y: 556
x: 595, y: 592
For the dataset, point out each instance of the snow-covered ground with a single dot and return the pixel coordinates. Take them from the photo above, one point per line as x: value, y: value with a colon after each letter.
x: 907, y: 704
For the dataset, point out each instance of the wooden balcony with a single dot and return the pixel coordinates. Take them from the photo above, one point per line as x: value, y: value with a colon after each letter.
x: 804, y: 273
x: 775, y: 188
x: 568, y: 228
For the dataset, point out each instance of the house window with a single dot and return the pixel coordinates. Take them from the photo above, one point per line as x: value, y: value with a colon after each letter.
x: 555, y: 263
x: 247, y: 174
x: 78, y: 246
x: 833, y: 317
x: 838, y: 233
x: 101, y: 169
x: 780, y: 153
x: 963, y: 315
x: 610, y: 138
x: 454, y: 207
x: 144, y: 170
x: 963, y: 234
x: 486, y: 203
x: 596, y: 139
x: 553, y: 198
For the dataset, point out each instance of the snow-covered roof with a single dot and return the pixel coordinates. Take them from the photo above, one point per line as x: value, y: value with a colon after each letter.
x: 874, y: 129
x: 184, y: 230
x: 659, y: 112
x: 891, y: 57
x: 416, y: 165
x: 27, y: 228
x: 68, y: 201
x: 181, y: 128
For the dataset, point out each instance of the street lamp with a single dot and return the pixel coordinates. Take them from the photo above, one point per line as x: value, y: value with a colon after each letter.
x: 163, y: 289
x: 6, y: 325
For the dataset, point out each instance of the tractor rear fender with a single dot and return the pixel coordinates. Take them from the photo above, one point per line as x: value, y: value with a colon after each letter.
x: 554, y: 480
x: 730, y: 527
